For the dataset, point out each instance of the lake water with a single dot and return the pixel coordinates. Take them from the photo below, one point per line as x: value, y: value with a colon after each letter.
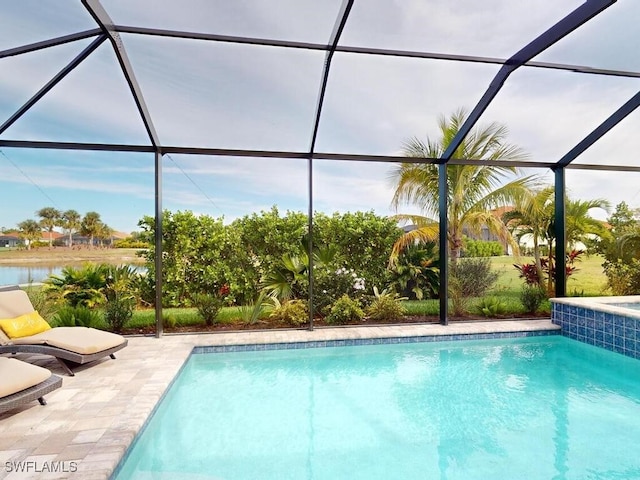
x: 25, y: 274
x: 13, y: 275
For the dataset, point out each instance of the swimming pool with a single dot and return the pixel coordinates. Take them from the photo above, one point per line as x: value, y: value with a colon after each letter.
x: 541, y: 407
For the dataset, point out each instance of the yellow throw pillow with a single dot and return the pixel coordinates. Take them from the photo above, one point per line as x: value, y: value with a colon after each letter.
x: 24, y: 325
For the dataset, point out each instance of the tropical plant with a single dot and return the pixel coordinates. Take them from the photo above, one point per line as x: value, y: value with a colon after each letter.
x: 345, y: 310
x: 415, y: 273
x: 531, y: 275
x: 579, y: 224
x: 50, y: 217
x: 252, y: 311
x: 386, y: 305
x: 82, y: 286
x: 29, y: 230
x: 70, y: 223
x: 119, y: 292
x: 491, y: 307
x: 289, y: 279
x: 472, y: 190
x: 77, y: 316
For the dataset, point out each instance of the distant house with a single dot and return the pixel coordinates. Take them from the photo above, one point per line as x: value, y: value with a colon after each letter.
x: 55, y: 237
x: 97, y: 242
x: 11, y: 241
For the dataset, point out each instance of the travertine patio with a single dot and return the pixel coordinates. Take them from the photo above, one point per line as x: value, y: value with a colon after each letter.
x: 88, y: 424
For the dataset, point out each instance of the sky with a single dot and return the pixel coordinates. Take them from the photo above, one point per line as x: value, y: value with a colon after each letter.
x: 210, y: 94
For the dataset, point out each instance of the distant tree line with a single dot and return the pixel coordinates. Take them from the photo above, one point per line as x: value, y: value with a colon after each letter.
x: 90, y: 225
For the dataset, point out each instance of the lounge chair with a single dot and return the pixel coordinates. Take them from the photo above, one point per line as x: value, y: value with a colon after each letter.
x: 22, y: 383
x: 71, y: 346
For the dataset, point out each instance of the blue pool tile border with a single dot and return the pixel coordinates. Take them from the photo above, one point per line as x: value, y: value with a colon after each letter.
x: 253, y: 347
x: 615, y: 332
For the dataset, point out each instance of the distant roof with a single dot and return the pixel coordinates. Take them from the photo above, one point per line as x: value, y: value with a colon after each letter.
x: 53, y: 235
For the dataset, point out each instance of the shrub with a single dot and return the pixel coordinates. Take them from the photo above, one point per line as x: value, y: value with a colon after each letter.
x: 118, y: 312
x: 200, y: 251
x: 473, y: 276
x: 208, y: 306
x: 330, y: 285
x: 292, y: 312
x: 482, y: 248
x: 118, y: 291
x: 385, y: 306
x: 344, y: 310
x: 491, y: 306
x: 623, y: 278
x: 130, y: 243
x: 459, y: 300
x: 169, y: 320
x: 532, y: 297
x: 76, y: 317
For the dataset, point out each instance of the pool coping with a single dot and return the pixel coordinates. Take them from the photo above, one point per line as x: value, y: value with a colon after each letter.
x: 95, y: 417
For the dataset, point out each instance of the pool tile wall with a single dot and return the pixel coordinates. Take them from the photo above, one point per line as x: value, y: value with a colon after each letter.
x: 369, y: 341
x: 613, y: 331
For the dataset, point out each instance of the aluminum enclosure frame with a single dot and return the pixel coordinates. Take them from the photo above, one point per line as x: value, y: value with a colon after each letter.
x: 108, y: 30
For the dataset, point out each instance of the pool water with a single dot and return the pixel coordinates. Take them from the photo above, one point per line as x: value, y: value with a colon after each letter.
x: 631, y: 305
x: 534, y: 408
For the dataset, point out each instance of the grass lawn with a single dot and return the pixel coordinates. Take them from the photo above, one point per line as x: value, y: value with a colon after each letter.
x: 62, y: 255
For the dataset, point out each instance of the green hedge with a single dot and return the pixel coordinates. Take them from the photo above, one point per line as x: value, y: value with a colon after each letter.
x: 481, y: 248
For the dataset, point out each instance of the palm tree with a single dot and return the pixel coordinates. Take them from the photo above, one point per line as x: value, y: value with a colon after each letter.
x: 104, y: 233
x: 91, y: 226
x: 534, y: 214
x: 473, y: 190
x: 70, y: 222
x: 49, y: 218
x: 30, y: 231
x: 579, y: 224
